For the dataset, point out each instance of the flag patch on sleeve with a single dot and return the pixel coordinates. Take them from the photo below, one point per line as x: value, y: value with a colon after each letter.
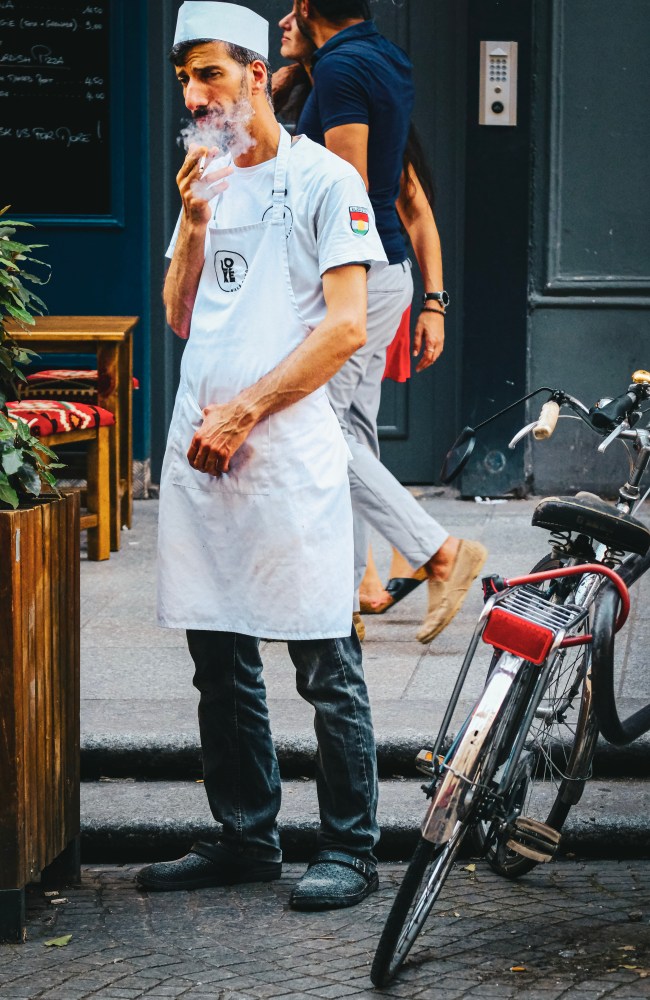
x: 359, y: 220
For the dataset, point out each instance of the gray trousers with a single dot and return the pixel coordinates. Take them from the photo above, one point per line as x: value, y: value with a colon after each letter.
x: 379, y: 500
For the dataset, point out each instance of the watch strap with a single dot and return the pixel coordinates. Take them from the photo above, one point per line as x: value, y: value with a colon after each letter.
x: 441, y: 297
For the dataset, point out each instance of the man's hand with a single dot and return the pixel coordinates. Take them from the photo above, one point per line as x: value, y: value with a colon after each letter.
x: 429, y: 338
x: 195, y: 188
x: 224, y: 429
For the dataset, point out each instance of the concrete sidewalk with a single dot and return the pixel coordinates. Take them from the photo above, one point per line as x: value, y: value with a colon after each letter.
x: 140, y: 747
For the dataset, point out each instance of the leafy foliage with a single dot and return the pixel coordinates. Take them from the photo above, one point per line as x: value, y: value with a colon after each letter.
x: 25, y: 463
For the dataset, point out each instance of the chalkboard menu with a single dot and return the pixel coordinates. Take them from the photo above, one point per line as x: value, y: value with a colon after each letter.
x: 54, y: 107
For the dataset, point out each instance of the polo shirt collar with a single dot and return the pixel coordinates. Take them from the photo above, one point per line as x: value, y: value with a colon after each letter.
x: 365, y: 29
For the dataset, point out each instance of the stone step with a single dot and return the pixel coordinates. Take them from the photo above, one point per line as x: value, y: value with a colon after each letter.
x: 175, y: 757
x: 143, y: 741
x: 127, y: 821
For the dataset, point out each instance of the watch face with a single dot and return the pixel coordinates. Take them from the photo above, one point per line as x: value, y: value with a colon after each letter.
x: 441, y: 297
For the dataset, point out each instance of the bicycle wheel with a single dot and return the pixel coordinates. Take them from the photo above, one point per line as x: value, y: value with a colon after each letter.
x: 558, y: 747
x: 458, y: 796
x: 421, y: 885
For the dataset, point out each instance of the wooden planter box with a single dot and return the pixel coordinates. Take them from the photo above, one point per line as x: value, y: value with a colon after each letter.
x: 39, y: 701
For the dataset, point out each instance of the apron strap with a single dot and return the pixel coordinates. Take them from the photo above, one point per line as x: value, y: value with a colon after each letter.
x: 280, y: 178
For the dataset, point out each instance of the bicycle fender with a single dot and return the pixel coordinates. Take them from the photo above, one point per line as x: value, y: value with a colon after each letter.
x: 448, y: 802
x: 615, y: 730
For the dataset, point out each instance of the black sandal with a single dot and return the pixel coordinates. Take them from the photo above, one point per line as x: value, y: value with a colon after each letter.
x: 398, y: 587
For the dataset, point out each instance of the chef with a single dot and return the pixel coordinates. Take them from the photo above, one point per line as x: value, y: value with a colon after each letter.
x: 267, y: 282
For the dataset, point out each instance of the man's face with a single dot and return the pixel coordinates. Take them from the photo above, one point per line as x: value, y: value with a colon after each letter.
x: 303, y: 22
x: 212, y: 82
x: 217, y: 93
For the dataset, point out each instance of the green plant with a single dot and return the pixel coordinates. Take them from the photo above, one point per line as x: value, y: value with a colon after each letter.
x: 25, y: 463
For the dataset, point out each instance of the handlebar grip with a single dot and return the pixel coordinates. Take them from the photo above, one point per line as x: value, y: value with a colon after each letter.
x: 547, y: 420
x: 607, y: 416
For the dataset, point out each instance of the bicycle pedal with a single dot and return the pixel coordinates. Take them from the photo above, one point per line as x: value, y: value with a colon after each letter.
x: 534, y: 840
x: 424, y: 763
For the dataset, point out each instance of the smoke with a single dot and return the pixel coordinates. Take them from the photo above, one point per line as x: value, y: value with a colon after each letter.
x: 224, y: 130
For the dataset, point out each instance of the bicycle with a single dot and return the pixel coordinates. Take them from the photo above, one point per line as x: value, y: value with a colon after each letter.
x: 520, y: 759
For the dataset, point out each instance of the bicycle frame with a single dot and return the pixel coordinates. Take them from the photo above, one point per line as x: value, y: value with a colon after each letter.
x: 454, y: 796
x: 612, y: 419
x: 491, y: 781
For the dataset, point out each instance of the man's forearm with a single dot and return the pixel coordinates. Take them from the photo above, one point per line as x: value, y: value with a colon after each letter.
x: 417, y: 218
x: 308, y: 367
x: 182, y: 279
x: 425, y: 241
x: 313, y: 363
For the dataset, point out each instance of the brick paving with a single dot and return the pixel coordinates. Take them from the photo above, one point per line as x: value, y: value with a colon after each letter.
x: 581, y: 930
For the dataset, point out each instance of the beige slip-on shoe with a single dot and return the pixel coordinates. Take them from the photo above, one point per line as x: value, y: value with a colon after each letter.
x: 357, y: 621
x: 446, y: 596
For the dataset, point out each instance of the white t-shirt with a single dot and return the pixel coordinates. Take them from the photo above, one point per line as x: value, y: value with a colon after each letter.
x: 328, y: 217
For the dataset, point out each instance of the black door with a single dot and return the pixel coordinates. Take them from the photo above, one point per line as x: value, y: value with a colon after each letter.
x: 418, y: 418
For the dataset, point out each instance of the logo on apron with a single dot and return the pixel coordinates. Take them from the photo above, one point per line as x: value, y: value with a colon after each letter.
x: 231, y: 269
x: 359, y: 220
x: 288, y: 218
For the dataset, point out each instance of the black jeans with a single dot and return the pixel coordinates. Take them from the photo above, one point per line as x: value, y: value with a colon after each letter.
x: 240, y: 767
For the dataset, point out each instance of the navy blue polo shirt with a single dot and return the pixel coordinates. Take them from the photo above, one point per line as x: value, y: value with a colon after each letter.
x: 362, y: 78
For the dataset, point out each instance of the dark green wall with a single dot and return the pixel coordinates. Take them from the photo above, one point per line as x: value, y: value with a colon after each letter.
x: 589, y: 326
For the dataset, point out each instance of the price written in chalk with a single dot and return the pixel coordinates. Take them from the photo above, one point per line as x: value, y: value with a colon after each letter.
x: 56, y: 88
x: 62, y: 134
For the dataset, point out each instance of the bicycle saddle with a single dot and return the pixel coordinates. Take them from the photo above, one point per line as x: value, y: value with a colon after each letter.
x: 590, y: 515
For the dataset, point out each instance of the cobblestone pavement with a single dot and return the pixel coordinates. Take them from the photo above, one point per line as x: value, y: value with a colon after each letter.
x: 574, y: 930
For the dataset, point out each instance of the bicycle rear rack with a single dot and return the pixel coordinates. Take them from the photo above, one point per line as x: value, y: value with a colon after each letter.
x: 525, y: 622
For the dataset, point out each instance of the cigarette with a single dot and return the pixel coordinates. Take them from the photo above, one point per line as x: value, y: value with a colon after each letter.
x: 202, y: 163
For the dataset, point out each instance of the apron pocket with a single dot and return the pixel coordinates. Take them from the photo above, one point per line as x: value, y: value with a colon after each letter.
x: 249, y: 468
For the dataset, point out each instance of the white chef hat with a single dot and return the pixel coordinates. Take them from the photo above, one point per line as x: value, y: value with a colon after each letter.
x: 224, y: 22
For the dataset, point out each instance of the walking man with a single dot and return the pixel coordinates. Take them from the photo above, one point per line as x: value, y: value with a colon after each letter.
x: 360, y: 108
x: 267, y: 281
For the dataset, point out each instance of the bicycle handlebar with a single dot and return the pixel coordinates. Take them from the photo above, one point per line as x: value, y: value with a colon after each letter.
x: 546, y: 421
x: 606, y: 417
x: 618, y: 415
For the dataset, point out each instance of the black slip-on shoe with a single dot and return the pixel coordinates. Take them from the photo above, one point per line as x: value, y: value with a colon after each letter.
x: 198, y: 871
x: 333, y: 880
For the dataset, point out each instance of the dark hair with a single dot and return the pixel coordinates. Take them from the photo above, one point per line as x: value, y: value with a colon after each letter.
x: 289, y: 100
x: 178, y: 56
x: 415, y: 157
x: 341, y: 10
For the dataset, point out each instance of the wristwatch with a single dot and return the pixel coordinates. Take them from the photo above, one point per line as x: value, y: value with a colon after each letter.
x: 441, y: 297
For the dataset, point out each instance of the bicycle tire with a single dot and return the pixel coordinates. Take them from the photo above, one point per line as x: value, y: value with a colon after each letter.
x: 563, y: 746
x: 394, y: 944
x: 431, y: 863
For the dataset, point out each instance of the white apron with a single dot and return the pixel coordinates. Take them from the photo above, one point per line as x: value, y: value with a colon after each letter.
x: 266, y: 549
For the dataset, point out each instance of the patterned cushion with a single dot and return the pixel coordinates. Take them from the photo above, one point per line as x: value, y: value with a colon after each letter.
x: 78, y: 378
x: 56, y: 416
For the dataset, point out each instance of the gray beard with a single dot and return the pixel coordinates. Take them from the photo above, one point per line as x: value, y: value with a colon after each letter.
x: 227, y: 130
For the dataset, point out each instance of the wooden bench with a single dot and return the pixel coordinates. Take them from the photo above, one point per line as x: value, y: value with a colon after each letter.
x: 109, y: 339
x: 62, y: 422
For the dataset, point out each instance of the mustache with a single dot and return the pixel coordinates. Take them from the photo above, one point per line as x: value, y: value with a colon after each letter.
x: 216, y: 127
x: 206, y: 113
